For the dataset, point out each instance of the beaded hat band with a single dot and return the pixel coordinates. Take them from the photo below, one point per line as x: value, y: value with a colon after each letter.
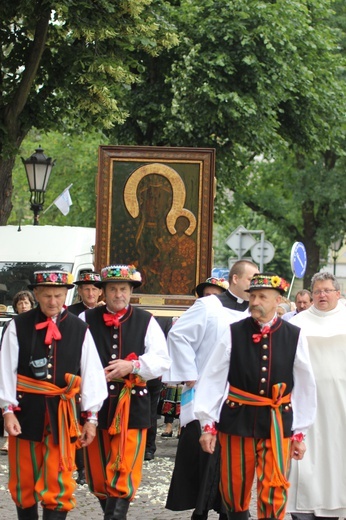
x: 120, y: 273
x: 268, y: 281
x: 218, y: 282
x: 88, y: 278
x: 53, y: 279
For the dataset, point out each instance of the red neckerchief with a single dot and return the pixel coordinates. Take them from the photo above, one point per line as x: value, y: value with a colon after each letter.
x: 265, y: 330
x: 257, y: 337
x: 52, y: 330
x: 113, y: 320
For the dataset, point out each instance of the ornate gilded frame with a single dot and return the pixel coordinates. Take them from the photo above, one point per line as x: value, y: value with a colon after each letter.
x: 155, y: 210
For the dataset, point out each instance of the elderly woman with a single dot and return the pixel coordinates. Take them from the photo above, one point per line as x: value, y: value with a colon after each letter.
x: 23, y: 301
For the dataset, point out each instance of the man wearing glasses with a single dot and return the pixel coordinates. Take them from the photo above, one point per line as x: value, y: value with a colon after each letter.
x: 318, y: 489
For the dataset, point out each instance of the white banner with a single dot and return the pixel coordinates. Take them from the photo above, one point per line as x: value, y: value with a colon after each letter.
x: 64, y: 201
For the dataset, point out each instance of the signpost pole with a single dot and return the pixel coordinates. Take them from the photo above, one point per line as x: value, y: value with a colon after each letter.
x: 240, y: 255
x: 291, y: 286
x: 262, y: 252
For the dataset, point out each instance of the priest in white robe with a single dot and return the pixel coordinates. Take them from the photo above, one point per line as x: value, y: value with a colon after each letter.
x: 318, y: 482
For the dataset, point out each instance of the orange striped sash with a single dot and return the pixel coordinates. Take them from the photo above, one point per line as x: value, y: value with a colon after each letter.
x: 276, y: 426
x: 68, y: 425
x: 121, y: 417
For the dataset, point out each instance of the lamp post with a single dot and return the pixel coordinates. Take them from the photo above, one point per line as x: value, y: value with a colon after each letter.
x: 335, y: 247
x: 38, y: 169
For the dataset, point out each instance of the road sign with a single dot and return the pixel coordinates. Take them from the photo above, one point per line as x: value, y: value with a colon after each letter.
x: 220, y: 272
x: 268, y: 252
x: 240, y: 241
x: 298, y: 259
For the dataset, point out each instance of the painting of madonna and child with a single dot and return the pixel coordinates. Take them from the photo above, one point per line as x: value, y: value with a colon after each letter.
x: 155, y: 211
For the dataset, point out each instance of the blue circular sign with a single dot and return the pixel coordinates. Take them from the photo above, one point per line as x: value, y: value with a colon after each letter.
x: 298, y: 259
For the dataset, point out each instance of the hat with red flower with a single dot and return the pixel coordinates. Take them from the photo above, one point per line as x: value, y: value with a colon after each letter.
x: 120, y: 273
x: 52, y: 279
x: 88, y: 277
x: 218, y: 282
x: 268, y: 281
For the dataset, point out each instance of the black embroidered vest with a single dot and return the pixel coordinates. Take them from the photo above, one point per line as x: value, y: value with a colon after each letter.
x: 255, y: 368
x: 128, y: 338
x: 65, y: 358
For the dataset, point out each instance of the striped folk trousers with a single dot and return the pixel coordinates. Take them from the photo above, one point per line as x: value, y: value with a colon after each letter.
x: 241, y: 458
x: 34, y: 474
x: 106, y: 482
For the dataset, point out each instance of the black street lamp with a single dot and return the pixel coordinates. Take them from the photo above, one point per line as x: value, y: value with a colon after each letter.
x: 335, y: 247
x: 38, y: 168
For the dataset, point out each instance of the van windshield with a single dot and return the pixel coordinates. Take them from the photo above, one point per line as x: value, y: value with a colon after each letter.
x: 16, y: 276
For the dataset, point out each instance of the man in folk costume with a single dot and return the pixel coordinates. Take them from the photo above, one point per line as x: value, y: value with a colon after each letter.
x: 133, y: 349
x: 264, y: 363
x: 87, y: 291
x: 47, y: 357
x: 194, y: 483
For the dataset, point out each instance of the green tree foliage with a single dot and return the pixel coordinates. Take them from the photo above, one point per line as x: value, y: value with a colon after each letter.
x: 263, y: 83
x: 69, y: 64
x: 76, y: 162
x: 247, y: 77
x: 291, y: 202
x: 305, y: 200
x: 238, y: 212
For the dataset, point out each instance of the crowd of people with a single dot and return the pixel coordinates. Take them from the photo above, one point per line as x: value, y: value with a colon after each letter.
x: 256, y: 381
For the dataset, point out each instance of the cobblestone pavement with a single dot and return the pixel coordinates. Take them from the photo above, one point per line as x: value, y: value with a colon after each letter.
x: 149, y: 503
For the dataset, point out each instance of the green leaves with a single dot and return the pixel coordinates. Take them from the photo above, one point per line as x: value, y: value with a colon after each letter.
x: 261, y: 81
x: 88, y: 59
x: 76, y: 162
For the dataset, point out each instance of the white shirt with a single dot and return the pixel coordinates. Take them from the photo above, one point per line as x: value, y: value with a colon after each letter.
x: 93, y: 384
x: 192, y: 338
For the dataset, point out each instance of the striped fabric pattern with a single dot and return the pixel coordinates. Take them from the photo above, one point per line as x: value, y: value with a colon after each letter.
x: 276, y: 428
x: 241, y: 458
x: 103, y: 479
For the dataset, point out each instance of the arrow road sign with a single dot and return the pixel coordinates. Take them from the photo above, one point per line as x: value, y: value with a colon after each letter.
x: 298, y: 259
x: 240, y: 241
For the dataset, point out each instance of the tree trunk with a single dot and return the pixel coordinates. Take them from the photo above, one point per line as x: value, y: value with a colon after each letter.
x: 313, y: 256
x: 6, y: 189
x: 309, y: 240
x: 14, y: 130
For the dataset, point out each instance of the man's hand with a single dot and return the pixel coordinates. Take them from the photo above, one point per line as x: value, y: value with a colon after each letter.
x: 118, y: 368
x: 297, y: 450
x: 11, y: 424
x: 88, y: 434
x: 207, y: 442
x: 190, y: 384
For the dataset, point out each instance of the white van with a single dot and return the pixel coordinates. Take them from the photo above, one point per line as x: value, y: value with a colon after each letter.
x: 27, y: 249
